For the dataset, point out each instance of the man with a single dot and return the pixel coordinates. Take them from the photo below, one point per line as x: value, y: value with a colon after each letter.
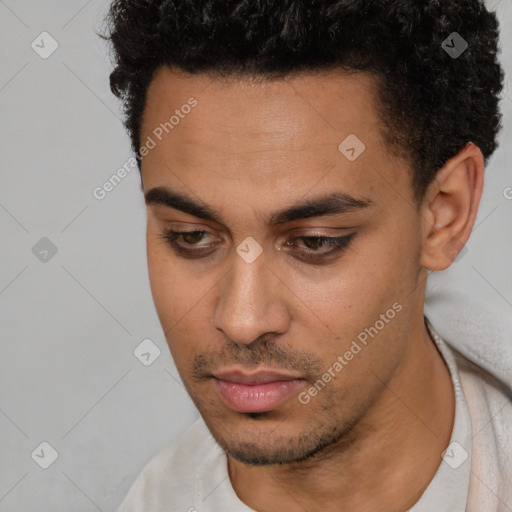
x: 305, y: 165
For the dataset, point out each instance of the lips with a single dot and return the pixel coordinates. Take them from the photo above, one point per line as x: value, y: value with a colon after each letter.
x: 258, y: 392
x: 261, y: 377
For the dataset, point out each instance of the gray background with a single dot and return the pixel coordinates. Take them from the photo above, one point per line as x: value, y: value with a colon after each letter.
x: 70, y: 321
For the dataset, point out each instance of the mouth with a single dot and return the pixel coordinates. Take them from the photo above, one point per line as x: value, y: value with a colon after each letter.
x: 257, y: 392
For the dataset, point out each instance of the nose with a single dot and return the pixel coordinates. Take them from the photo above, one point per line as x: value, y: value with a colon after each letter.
x: 251, y: 302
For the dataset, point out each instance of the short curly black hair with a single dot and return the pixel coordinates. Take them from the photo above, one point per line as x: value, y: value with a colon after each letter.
x: 431, y: 103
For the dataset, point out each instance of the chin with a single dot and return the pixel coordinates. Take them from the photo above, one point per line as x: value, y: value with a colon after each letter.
x: 250, y: 444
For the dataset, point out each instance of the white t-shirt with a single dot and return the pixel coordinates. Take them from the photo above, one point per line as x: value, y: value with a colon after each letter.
x: 475, y: 475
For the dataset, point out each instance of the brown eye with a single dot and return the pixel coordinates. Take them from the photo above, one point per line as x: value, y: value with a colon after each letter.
x: 190, y: 239
x: 314, y: 244
x: 193, y: 237
x: 187, y: 244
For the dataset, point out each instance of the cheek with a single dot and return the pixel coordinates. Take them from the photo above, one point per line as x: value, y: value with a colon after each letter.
x: 161, y: 276
x: 377, y: 273
x: 367, y: 283
x: 386, y: 264
x: 169, y: 289
x: 180, y: 297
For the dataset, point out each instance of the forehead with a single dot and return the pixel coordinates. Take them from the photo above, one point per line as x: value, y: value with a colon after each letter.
x: 286, y: 134
x: 282, y: 112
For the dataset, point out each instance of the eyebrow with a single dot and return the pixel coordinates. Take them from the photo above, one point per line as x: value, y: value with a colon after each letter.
x: 334, y: 203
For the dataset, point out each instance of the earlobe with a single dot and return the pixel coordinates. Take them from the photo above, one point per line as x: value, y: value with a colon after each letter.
x: 450, y: 208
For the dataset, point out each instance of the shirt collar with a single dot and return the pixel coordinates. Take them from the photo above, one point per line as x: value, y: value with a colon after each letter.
x: 448, y: 490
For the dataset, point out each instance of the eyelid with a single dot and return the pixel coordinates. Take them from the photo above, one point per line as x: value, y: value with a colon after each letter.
x: 338, y: 244
x: 305, y: 231
x: 320, y: 231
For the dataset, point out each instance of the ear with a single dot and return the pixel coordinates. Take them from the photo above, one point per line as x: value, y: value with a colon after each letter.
x: 450, y: 207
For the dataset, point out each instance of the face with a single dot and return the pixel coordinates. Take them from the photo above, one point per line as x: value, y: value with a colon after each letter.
x: 289, y: 302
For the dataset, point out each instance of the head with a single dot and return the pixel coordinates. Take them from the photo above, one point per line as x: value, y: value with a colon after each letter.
x: 321, y: 158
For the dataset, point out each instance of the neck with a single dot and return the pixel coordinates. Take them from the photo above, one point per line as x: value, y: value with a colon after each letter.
x: 392, y: 454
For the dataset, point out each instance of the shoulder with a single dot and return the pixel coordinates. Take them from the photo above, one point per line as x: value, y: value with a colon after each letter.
x: 490, y: 404
x: 167, y: 482
x: 484, y: 388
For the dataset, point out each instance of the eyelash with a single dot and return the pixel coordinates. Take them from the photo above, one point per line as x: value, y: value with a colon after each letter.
x: 339, y: 244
